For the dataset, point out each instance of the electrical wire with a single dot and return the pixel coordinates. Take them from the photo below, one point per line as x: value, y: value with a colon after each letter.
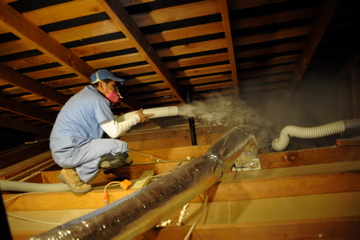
x: 106, y: 195
x: 31, y: 220
x: 151, y: 156
x: 196, y: 222
x: 24, y: 218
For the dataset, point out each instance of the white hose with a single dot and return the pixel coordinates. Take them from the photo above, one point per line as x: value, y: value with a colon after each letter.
x: 279, y: 144
x: 158, y: 113
x: 14, y: 186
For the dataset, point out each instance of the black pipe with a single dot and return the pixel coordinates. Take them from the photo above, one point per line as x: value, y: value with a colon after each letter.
x: 192, y: 131
x: 191, y: 122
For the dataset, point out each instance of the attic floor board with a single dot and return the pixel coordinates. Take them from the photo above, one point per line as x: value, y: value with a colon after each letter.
x: 270, y: 210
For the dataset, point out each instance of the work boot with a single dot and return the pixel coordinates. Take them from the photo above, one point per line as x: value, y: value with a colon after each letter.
x: 125, y: 158
x: 70, y: 177
x: 109, y: 161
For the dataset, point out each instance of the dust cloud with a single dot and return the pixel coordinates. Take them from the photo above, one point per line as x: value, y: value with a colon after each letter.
x: 265, y: 118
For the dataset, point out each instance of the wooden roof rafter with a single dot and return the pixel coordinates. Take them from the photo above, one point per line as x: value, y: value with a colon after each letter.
x: 131, y: 30
x: 28, y: 31
x: 24, y: 109
x: 227, y: 29
x: 16, y: 23
x: 321, y: 21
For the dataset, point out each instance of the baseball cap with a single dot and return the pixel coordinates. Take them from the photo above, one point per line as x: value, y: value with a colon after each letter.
x: 103, y: 74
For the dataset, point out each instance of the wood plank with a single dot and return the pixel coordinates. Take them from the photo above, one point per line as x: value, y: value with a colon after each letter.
x: 186, y: 62
x: 269, y: 79
x: 265, y: 37
x: 309, y: 156
x: 170, y: 14
x: 280, y: 17
x: 203, y: 70
x: 269, y: 61
x: 278, y: 48
x: 143, y: 180
x: 270, y: 86
x: 102, y: 47
x: 274, y: 70
x: 185, y: 32
x: 148, y: 88
x: 15, y: 47
x: 203, y: 80
x: 285, y: 187
x: 29, y: 61
x: 85, y: 31
x: 193, y: 48
x: 62, y: 12
x: 228, y: 84
x: 328, y: 228
x: 118, y: 60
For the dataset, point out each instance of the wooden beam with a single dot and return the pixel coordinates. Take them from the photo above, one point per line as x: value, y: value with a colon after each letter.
x: 128, y: 26
x: 239, y: 190
x: 309, y: 156
x: 28, y: 84
x: 230, y: 46
x: 323, y: 17
x: 26, y: 110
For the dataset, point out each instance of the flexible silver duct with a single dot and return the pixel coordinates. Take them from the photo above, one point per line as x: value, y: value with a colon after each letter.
x: 135, y: 214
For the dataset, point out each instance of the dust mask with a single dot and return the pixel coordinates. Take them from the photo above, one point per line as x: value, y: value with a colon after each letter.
x: 113, y: 96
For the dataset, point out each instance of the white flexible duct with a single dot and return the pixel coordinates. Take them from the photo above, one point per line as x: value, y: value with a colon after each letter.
x: 280, y: 144
x: 14, y: 186
x: 158, y: 113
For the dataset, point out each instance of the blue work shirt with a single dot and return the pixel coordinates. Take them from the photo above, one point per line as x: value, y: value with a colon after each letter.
x: 79, y: 122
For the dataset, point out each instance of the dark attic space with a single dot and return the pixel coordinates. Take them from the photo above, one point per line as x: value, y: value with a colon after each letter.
x: 192, y: 119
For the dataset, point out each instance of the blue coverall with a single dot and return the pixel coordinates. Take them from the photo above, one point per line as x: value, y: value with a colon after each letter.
x: 75, y: 140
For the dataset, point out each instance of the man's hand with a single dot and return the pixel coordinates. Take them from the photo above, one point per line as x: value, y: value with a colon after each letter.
x: 143, y: 117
